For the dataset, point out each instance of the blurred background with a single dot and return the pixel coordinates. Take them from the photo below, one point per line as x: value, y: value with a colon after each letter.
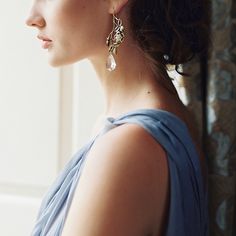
x: 47, y: 114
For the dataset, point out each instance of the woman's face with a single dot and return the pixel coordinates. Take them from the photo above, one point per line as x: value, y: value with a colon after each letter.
x: 77, y: 28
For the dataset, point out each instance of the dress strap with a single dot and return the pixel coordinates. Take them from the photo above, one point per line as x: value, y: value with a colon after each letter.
x: 188, y: 200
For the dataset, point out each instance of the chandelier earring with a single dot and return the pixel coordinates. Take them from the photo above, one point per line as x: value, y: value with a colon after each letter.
x: 113, y: 41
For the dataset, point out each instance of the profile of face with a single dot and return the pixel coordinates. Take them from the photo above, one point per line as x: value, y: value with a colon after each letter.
x: 77, y: 28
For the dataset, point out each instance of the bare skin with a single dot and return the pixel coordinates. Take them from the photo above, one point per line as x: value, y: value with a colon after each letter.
x: 120, y: 197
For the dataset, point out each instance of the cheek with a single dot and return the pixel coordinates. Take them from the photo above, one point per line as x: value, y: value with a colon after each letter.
x: 65, y: 16
x: 68, y: 18
x: 77, y: 27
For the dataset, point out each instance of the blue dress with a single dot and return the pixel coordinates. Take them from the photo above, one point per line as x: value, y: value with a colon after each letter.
x: 188, y: 210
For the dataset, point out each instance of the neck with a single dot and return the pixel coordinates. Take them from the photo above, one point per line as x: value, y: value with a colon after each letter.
x: 132, y: 84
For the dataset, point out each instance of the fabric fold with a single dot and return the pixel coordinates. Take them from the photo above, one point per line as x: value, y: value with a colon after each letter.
x: 188, y: 202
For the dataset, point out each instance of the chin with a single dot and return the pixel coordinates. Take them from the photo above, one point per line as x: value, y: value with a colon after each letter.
x: 56, y: 62
x: 62, y: 61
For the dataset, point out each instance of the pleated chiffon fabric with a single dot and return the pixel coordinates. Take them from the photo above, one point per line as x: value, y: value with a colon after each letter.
x: 188, y: 211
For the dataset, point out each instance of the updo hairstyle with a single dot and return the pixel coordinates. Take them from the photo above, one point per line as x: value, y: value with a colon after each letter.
x: 170, y: 32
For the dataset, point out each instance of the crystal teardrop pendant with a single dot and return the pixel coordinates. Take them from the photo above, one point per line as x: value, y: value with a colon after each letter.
x: 111, y: 63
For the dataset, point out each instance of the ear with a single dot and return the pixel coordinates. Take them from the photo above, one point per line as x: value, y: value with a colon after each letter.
x: 116, y: 6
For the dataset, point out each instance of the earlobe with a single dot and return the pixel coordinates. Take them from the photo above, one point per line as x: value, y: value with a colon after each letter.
x: 117, y: 5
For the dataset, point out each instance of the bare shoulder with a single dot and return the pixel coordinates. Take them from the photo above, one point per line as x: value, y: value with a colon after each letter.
x: 122, y: 189
x: 129, y: 140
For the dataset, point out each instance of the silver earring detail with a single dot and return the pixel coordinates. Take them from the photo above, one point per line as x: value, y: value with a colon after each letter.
x: 114, y: 39
x: 166, y: 57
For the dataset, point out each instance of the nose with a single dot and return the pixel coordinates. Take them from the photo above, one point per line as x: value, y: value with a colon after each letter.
x: 35, y: 21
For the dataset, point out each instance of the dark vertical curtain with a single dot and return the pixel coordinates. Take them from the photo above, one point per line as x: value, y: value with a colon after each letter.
x: 221, y: 118
x: 211, y: 97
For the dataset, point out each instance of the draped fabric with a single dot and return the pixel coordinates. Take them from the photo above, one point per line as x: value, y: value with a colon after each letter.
x: 210, y: 94
x: 188, y: 199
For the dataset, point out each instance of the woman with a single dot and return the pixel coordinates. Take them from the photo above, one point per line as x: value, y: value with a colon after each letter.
x: 145, y: 173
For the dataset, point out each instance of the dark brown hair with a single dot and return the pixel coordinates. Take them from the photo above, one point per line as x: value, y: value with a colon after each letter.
x: 176, y: 28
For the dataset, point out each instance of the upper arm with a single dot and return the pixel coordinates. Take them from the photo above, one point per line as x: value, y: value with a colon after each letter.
x: 121, y: 178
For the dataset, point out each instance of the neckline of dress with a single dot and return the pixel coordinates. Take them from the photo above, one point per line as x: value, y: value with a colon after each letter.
x: 143, y: 110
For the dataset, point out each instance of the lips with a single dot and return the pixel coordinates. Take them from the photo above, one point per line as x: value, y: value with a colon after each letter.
x: 46, y: 42
x: 44, y: 38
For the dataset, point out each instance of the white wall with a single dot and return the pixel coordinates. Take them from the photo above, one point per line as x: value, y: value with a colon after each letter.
x: 46, y: 114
